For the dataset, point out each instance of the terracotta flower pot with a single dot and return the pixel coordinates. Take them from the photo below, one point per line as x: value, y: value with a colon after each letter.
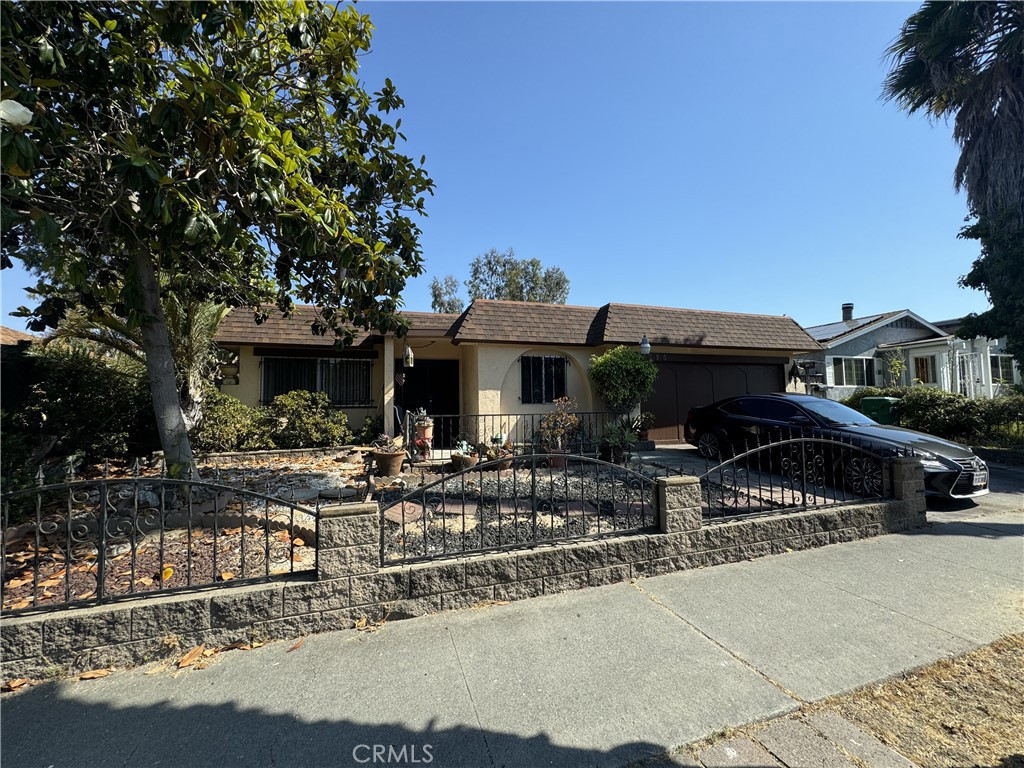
x: 463, y: 462
x: 388, y: 464
x: 425, y: 431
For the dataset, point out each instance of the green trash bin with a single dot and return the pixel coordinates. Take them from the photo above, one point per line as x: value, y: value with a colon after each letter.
x: 881, y: 409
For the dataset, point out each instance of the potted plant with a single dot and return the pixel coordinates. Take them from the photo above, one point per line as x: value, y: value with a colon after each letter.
x: 615, y: 442
x: 424, y: 424
x: 422, y: 448
x: 464, y: 456
x: 500, y: 452
x: 388, y: 455
x: 642, y: 424
x: 557, y: 428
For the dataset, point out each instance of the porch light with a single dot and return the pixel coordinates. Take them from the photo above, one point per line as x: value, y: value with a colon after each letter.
x: 408, y: 358
x: 645, y: 346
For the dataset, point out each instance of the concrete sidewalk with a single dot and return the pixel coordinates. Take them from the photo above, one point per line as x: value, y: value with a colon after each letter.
x: 597, y: 677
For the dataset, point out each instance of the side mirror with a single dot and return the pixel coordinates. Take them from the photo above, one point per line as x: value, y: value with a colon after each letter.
x: 801, y: 421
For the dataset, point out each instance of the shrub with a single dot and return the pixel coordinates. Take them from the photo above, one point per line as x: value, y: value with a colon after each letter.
x: 622, y: 377
x: 373, y: 426
x: 940, y: 413
x: 230, y: 425
x: 84, y: 405
x: 301, y: 419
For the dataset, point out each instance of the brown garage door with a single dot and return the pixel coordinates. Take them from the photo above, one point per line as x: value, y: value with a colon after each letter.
x: 681, y: 386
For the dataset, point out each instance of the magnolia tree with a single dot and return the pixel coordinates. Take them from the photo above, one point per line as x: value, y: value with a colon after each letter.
x: 226, y: 149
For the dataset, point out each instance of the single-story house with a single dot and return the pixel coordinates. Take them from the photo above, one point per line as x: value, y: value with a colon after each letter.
x: 857, y: 352
x: 505, y: 357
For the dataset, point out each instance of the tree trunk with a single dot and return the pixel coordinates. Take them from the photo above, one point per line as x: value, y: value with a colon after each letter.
x: 156, y: 344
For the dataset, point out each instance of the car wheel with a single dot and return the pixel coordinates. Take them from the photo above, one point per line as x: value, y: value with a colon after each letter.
x: 862, y: 475
x: 709, y: 445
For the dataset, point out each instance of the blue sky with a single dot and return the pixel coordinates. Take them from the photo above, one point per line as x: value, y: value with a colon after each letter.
x: 724, y: 156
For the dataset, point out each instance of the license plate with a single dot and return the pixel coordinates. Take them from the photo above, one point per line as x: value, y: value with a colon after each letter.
x: 979, y: 478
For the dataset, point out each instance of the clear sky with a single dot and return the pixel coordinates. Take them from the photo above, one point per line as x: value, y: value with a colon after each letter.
x: 723, y: 156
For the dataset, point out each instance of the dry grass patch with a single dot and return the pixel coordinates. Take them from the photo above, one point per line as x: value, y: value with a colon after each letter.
x: 956, y: 713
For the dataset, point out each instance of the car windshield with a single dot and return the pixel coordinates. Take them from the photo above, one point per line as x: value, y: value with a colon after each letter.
x: 834, y: 413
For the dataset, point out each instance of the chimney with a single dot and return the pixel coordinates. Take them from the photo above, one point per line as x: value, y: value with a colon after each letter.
x: 847, y: 312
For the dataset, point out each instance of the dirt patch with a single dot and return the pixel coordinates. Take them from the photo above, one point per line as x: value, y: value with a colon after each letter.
x: 955, y: 713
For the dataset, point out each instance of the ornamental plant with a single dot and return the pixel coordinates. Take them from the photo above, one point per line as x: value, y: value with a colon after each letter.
x: 559, y: 425
x: 622, y: 378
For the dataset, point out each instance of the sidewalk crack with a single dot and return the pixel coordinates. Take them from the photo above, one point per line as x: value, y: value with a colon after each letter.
x: 746, y: 663
x: 465, y: 683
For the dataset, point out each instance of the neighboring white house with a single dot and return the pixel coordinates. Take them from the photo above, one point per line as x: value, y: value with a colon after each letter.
x: 857, y: 352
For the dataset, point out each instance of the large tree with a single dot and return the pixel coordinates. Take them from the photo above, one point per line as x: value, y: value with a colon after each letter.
x: 966, y: 60
x: 228, y: 146
x: 495, y: 275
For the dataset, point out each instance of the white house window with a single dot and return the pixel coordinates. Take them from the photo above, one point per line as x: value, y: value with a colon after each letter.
x: 853, y: 371
x: 543, y: 378
x: 1002, y: 368
x: 924, y: 369
x: 345, y: 382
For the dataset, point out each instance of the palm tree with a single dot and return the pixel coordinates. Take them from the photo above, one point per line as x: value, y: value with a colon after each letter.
x: 192, y: 326
x: 966, y: 60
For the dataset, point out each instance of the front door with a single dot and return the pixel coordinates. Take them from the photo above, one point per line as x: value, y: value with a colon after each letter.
x: 434, y: 386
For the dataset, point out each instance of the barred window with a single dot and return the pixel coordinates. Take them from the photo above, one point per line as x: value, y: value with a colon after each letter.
x: 1002, y: 368
x: 346, y: 382
x: 543, y: 378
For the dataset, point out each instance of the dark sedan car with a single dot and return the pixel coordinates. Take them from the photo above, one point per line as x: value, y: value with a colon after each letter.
x: 721, y: 429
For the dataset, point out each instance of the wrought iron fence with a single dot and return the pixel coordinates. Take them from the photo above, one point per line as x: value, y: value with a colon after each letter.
x: 796, y: 474
x: 522, y: 431
x: 85, y: 541
x: 511, y: 503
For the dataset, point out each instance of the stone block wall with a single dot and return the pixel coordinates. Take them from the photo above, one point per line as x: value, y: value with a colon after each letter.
x: 350, y: 585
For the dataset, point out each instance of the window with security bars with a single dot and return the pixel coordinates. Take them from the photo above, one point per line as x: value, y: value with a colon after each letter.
x: 345, y: 382
x: 853, y: 371
x: 543, y: 378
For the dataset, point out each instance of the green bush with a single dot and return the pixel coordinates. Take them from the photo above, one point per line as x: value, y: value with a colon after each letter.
x: 371, y: 429
x: 940, y: 413
x: 855, y: 400
x: 622, y: 377
x: 301, y: 419
x: 86, y: 406
x: 230, y: 425
x: 999, y: 421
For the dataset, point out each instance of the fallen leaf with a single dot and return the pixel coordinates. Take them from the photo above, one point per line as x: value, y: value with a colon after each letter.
x: 226, y: 575
x: 209, y: 652
x: 296, y: 557
x: 166, y: 573
x: 15, y: 583
x: 361, y: 623
x: 15, y: 684
x: 20, y: 604
x: 298, y: 542
x: 296, y: 646
x: 282, y: 536
x: 50, y: 582
x: 156, y: 670
x: 191, y: 656
x: 231, y: 531
x: 144, y: 581
x: 94, y: 674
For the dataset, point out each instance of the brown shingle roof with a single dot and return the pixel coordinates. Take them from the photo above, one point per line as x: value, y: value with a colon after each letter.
x: 527, y: 322
x: 523, y: 322
x: 239, y: 327
x: 11, y: 336
x: 627, y: 323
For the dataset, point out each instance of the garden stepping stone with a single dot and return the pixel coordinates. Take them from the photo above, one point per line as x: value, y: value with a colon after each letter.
x: 406, y: 512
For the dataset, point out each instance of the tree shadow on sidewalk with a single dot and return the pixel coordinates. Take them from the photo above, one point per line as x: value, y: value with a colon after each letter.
x: 44, y: 727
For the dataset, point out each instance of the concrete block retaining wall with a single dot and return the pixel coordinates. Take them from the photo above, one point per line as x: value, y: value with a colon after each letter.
x: 350, y: 585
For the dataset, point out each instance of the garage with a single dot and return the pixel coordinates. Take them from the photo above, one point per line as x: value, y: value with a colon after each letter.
x: 685, y: 382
